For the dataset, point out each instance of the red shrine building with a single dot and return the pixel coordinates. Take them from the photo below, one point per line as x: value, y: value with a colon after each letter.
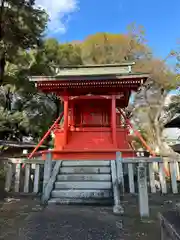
x: 94, y: 125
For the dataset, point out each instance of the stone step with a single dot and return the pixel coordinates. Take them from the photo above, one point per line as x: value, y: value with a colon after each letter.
x: 79, y: 163
x: 100, y: 201
x: 84, y: 177
x: 70, y: 170
x: 82, y: 194
x: 83, y: 185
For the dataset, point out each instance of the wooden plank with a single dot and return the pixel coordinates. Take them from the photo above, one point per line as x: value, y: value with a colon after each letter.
x: 143, y: 192
x: 25, y: 160
x: 49, y: 186
x: 152, y: 178
x: 162, y: 178
x: 9, y: 174
x: 36, y: 178
x: 83, y: 185
x: 131, y: 178
x: 120, y: 175
x: 156, y: 167
x: 27, y: 178
x: 77, y: 193
x: 17, y: 177
x: 142, y: 159
x: 177, y: 170
x: 100, y: 201
x: 47, y: 169
x: 85, y: 170
x: 117, y: 209
x: 80, y: 163
x: 173, y: 177
x: 84, y: 177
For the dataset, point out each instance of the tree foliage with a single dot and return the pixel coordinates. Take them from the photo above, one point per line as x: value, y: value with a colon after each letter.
x: 21, y: 28
x: 106, y: 48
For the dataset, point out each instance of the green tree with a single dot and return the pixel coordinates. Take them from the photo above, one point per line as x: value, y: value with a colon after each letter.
x: 21, y: 28
x: 48, y: 60
x: 26, y: 115
x: 107, y: 48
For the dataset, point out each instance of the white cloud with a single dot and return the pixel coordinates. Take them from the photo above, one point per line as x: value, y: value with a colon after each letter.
x: 59, y: 12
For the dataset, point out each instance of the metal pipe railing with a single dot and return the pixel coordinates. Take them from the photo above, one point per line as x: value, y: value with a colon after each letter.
x: 45, y: 136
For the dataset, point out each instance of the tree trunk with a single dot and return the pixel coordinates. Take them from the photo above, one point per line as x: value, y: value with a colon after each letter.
x: 157, y: 121
x: 2, y: 53
x: 2, y: 68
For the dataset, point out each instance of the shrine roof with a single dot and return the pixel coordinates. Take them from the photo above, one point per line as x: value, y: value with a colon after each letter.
x: 92, y: 72
x: 94, y: 79
x: 90, y: 77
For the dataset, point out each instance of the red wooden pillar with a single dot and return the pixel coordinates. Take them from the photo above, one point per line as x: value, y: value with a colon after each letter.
x: 113, y: 120
x: 72, y: 115
x: 66, y: 110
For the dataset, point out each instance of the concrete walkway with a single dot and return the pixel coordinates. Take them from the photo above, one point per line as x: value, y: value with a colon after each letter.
x: 72, y: 223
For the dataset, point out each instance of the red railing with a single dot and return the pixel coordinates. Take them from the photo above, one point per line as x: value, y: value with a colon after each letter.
x: 45, y: 136
x: 137, y: 133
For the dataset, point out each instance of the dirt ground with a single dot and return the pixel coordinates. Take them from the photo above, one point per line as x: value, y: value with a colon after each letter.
x: 17, y: 216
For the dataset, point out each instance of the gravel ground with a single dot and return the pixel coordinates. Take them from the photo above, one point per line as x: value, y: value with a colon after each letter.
x: 26, y: 219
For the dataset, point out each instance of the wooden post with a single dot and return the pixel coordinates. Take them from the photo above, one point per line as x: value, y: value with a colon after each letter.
x: 143, y: 192
x: 113, y: 120
x: 36, y: 179
x: 131, y: 178
x: 173, y: 176
x: 66, y: 107
x: 120, y: 175
x: 47, y: 169
x: 9, y: 174
x: 27, y: 176
x: 49, y: 187
x: 117, y: 209
x: 162, y: 178
x: 177, y: 170
x: 17, y: 177
x: 152, y: 178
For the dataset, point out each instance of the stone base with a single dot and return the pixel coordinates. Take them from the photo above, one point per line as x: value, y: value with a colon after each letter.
x: 118, y: 209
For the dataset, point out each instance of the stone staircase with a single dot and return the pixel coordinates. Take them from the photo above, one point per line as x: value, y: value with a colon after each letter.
x: 83, y: 182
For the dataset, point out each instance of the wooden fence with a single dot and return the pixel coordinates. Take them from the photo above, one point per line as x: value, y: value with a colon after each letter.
x: 156, y: 179
x: 140, y: 175
x: 27, y: 179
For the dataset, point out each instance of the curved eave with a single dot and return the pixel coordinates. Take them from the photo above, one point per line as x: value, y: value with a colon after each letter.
x: 92, y: 77
x: 99, y: 65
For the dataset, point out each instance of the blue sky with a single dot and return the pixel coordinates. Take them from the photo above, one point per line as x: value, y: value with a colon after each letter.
x: 74, y: 20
